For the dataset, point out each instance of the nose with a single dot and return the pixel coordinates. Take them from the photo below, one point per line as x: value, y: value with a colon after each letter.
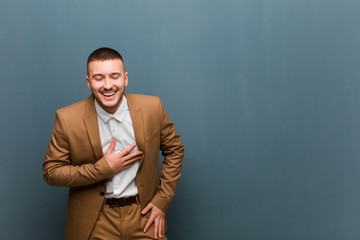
x: 107, y: 83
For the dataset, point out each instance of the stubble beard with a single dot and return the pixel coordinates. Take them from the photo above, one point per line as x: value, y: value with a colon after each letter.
x: 106, y: 108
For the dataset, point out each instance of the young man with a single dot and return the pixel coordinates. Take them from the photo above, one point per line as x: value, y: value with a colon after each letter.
x: 105, y: 148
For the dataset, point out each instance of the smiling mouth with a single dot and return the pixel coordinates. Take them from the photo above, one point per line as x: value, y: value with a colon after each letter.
x: 108, y: 94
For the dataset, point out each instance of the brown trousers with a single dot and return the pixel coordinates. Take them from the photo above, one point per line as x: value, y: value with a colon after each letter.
x: 122, y: 223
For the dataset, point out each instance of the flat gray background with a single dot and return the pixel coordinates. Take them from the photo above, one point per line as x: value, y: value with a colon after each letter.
x: 265, y: 95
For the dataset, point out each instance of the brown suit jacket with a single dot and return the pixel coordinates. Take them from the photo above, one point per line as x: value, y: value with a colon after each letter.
x: 74, y: 158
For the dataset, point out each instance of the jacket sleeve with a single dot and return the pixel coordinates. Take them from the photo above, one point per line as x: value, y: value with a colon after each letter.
x: 173, y: 152
x: 58, y: 168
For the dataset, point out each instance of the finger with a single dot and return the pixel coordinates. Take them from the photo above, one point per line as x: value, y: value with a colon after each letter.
x: 129, y: 163
x: 146, y: 209
x: 148, y: 224
x: 130, y: 160
x: 161, y: 227
x: 111, y: 147
x: 128, y: 149
x: 130, y: 155
x: 156, y: 228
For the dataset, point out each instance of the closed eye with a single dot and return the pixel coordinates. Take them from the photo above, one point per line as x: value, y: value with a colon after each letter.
x: 98, y: 76
x: 115, y: 75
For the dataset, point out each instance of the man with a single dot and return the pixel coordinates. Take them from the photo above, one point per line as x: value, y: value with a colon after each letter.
x: 106, y: 148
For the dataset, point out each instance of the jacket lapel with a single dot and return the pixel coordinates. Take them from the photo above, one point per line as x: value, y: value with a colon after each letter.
x: 138, y: 124
x: 91, y: 124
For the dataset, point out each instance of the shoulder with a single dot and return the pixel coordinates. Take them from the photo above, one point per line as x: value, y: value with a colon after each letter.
x: 76, y: 109
x: 142, y: 98
x: 139, y: 100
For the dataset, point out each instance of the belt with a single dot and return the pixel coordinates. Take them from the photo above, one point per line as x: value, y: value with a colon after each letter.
x: 120, y: 202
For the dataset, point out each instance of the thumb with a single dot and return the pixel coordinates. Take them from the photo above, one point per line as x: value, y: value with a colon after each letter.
x: 111, y: 147
x: 146, y: 209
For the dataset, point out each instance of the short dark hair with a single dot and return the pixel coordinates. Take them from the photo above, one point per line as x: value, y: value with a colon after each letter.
x: 103, y: 54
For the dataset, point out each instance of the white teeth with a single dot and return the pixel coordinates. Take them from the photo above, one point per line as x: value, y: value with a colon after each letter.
x: 108, y: 94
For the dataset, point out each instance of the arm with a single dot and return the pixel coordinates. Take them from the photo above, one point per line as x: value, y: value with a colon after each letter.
x: 58, y: 169
x: 173, y: 152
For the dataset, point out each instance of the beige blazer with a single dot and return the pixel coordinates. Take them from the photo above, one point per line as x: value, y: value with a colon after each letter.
x: 74, y: 159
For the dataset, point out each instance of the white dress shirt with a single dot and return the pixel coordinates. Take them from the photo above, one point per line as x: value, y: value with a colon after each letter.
x: 118, y: 126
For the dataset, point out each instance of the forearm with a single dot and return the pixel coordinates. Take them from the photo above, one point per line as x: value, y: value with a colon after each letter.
x: 173, y: 151
x: 170, y: 174
x: 57, y: 173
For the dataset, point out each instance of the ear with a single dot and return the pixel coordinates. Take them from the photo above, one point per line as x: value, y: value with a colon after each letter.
x: 126, y: 79
x: 88, y: 82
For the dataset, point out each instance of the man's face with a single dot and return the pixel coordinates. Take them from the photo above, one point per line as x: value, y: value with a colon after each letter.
x: 107, y: 81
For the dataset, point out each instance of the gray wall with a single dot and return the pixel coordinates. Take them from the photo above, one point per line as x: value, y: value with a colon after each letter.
x: 265, y: 94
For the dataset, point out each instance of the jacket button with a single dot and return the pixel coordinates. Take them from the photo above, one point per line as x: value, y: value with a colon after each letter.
x: 102, y: 193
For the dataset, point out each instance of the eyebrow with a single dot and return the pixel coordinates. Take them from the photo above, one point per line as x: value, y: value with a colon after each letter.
x: 115, y: 73
x: 101, y: 75
x: 98, y: 74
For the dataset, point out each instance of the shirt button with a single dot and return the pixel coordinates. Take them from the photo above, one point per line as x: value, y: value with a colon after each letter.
x: 102, y: 194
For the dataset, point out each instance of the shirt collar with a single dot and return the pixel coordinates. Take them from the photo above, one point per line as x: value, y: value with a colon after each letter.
x: 118, y: 115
